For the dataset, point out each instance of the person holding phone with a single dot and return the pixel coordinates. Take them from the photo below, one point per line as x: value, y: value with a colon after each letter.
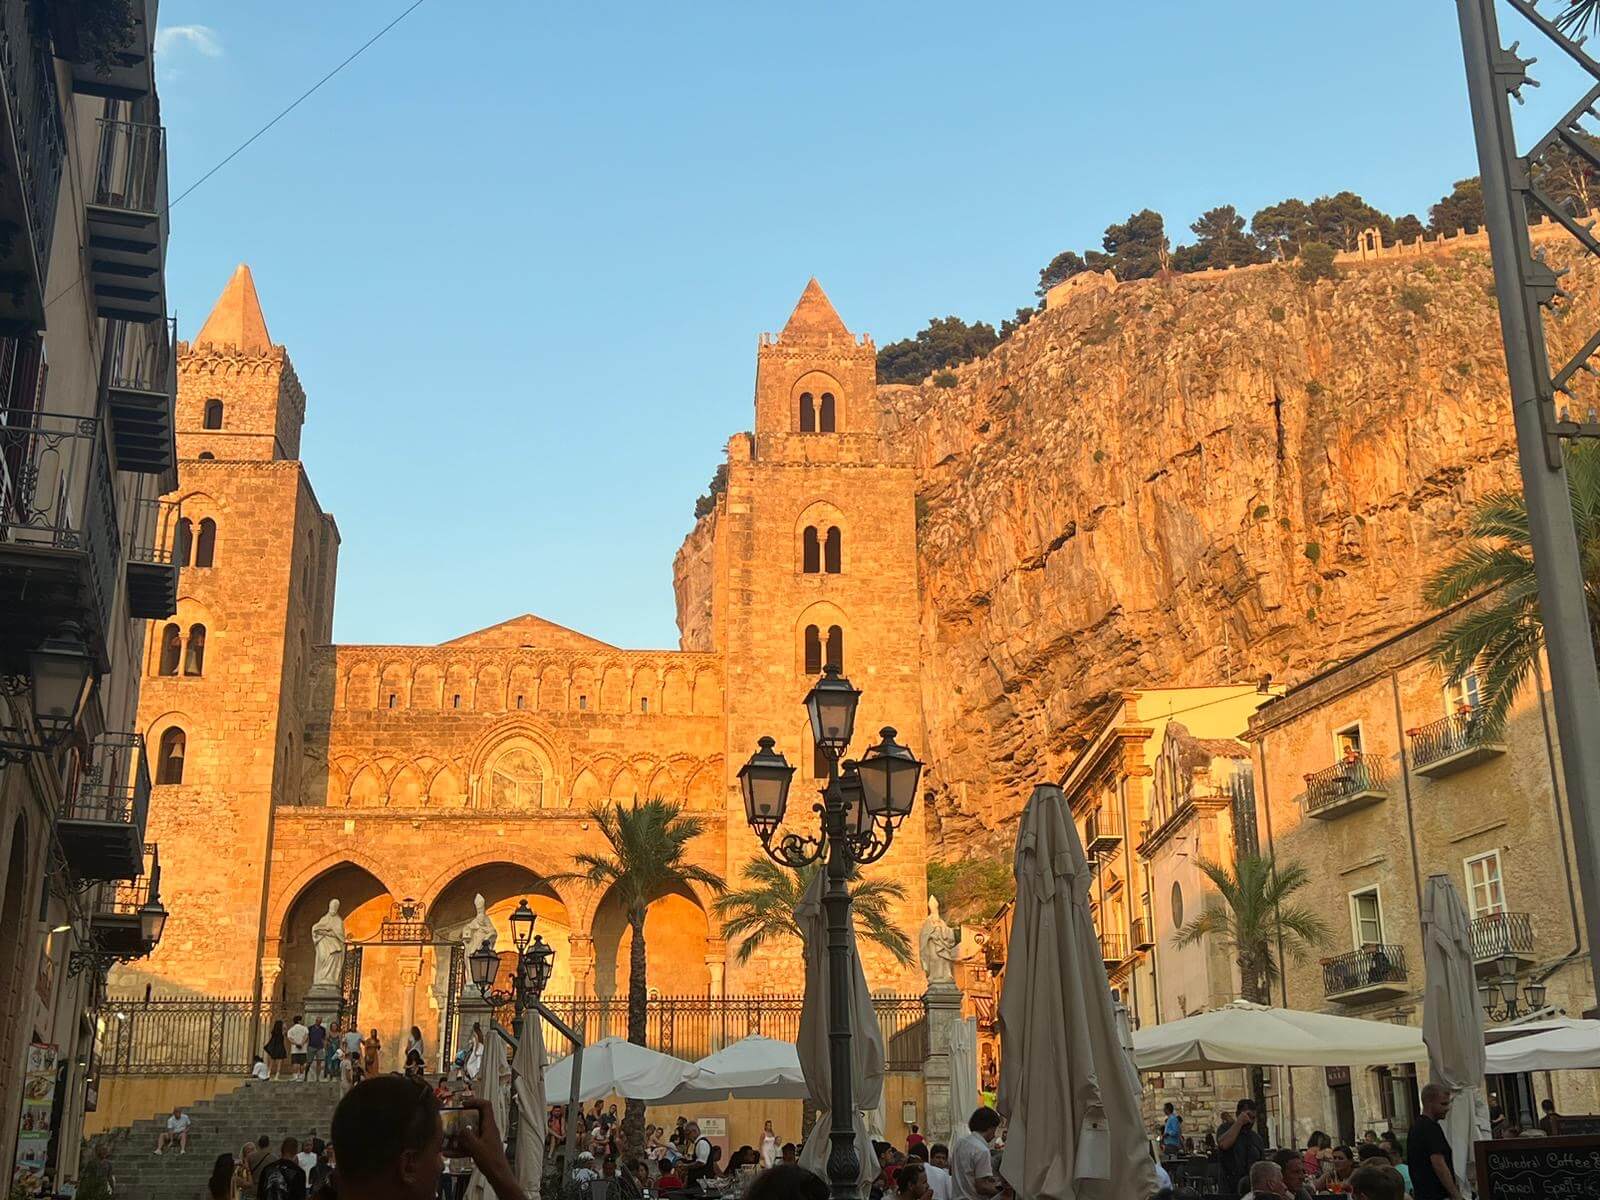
x: 1239, y: 1146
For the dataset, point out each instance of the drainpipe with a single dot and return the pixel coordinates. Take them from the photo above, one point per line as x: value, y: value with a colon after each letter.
x: 1405, y: 785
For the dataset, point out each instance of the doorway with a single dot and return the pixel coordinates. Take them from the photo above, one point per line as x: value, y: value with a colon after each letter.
x: 1344, y: 1107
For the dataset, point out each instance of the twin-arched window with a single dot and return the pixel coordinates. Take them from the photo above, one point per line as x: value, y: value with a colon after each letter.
x: 817, y: 413
x: 169, y: 759
x: 176, y: 650
x: 202, y: 549
x: 823, y: 650
x: 213, y: 414
x: 821, y: 553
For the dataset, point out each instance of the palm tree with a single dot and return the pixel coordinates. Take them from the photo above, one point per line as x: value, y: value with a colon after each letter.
x: 1577, y: 14
x: 764, y: 908
x: 649, y: 857
x: 1253, y: 915
x: 1500, y: 639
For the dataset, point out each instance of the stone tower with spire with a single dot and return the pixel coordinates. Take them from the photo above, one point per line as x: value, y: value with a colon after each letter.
x: 814, y: 561
x: 226, y: 678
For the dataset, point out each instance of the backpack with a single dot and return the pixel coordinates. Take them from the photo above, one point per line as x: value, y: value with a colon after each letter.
x: 275, y: 1182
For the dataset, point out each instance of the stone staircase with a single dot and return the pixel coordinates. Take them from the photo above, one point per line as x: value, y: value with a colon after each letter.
x: 278, y: 1108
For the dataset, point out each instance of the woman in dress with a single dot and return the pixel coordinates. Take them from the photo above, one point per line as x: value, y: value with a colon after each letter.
x: 221, y: 1184
x: 475, y: 1054
x: 414, y: 1052
x: 369, y: 1054
x: 277, y: 1047
x: 769, y: 1145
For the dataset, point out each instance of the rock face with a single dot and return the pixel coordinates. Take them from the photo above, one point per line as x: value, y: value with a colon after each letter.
x: 1182, y: 482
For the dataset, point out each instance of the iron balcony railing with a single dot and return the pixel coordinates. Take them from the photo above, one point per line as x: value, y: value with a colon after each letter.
x: 116, y: 786
x: 1364, y: 968
x: 1142, y: 938
x: 1113, y: 947
x: 1102, y: 830
x: 1354, y: 775
x: 57, y: 506
x: 153, y: 532
x: 140, y: 388
x: 1449, y: 736
x: 38, y: 135
x: 1496, y: 934
x: 131, y: 169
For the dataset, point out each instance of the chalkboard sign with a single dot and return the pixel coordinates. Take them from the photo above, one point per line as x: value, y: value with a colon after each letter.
x: 1587, y: 1124
x: 1548, y: 1168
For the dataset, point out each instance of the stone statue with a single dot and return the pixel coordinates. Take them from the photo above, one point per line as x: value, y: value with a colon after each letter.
x: 328, y: 937
x: 938, y: 944
x: 480, y: 930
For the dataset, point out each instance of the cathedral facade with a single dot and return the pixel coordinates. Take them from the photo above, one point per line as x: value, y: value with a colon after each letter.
x: 290, y: 771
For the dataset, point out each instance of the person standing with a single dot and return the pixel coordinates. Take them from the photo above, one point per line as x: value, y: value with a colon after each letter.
x: 1550, y: 1122
x: 1433, y: 1173
x: 370, y: 1052
x: 971, y: 1165
x: 769, y: 1145
x: 414, y: 1052
x: 282, y: 1179
x: 299, y: 1036
x: 316, y: 1044
x: 1171, y: 1131
x: 277, y: 1047
x: 1239, y: 1146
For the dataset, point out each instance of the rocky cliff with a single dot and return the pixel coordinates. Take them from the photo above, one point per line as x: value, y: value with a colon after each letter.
x: 1185, y: 481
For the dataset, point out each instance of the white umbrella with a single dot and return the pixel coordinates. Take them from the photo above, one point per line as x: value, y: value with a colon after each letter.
x: 1574, y: 1046
x: 528, y: 1083
x: 1450, y: 1023
x: 753, y: 1068
x: 1242, y: 1034
x: 867, y: 1053
x: 492, y: 1085
x: 614, y: 1066
x: 1074, y: 1128
x: 963, y: 1076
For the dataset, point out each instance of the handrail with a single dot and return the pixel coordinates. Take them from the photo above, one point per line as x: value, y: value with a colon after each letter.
x: 1379, y: 963
x: 1449, y: 735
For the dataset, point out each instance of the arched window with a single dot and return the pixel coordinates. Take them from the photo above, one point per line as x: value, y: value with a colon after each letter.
x: 393, y: 699
x: 583, y: 703
x: 825, y: 415
x: 194, y: 659
x: 521, y: 702
x: 810, y: 551
x: 169, y: 762
x: 455, y: 700
x: 644, y: 704
x: 808, y: 413
x: 205, y: 546
x: 813, y: 650
x: 835, y: 647
x: 832, y: 551
x: 171, y: 650
x: 206, y: 456
x: 182, y: 542
x: 213, y: 417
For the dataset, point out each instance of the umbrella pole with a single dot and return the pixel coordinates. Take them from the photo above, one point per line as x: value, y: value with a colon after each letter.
x: 844, y: 1167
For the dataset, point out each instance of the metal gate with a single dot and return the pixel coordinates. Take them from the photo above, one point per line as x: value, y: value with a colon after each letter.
x: 404, y: 926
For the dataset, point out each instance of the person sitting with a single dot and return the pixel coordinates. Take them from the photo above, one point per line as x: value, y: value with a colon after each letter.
x: 1372, y: 1182
x: 1266, y: 1180
x: 1550, y: 1122
x: 584, y: 1171
x: 177, y: 1131
x: 787, y: 1181
x: 790, y: 1155
x: 669, y: 1177
x: 1295, y: 1184
x: 1337, y: 1176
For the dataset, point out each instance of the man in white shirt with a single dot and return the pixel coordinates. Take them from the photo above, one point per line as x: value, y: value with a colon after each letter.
x: 298, y: 1035
x: 177, y: 1131
x: 971, y: 1168
x: 702, y: 1145
x: 938, y: 1177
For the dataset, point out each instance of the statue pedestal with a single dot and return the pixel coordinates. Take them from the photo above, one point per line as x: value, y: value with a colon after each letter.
x: 471, y: 1007
x: 942, y: 1002
x: 325, y: 1002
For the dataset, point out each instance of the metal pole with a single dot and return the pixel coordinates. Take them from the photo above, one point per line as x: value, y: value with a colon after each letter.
x: 577, y: 1075
x: 844, y: 1167
x: 1574, y: 685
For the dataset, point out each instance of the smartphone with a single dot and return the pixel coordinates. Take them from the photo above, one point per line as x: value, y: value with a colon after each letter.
x: 455, y: 1118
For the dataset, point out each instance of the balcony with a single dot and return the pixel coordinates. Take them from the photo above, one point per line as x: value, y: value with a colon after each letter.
x: 59, y: 542
x: 1500, y: 935
x: 152, y: 567
x: 139, y: 381
x: 1102, y: 832
x: 1113, y: 949
x: 109, y: 58
x: 1144, y: 938
x: 1453, y: 744
x: 1356, y: 782
x: 102, y: 824
x: 114, y: 920
x: 33, y: 144
x: 127, y: 222
x: 1372, y: 973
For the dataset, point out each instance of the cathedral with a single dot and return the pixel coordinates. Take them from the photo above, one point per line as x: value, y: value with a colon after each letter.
x: 406, y: 780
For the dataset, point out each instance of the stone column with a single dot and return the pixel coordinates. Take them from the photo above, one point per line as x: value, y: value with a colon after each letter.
x: 271, y: 968
x: 717, y: 964
x: 942, y: 1003
x: 580, y: 960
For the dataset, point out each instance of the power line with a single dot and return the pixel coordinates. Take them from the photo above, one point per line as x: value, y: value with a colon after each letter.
x: 244, y: 145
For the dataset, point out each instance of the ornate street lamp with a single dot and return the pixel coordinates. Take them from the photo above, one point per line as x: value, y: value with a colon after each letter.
x: 863, y: 803
x: 59, y: 680
x: 522, y: 922
x: 1500, y: 999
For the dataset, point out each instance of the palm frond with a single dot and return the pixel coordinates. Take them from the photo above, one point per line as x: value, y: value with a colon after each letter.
x: 1476, y: 567
x: 1577, y: 15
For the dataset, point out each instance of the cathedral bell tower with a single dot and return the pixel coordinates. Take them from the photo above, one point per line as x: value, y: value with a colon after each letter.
x: 815, y: 562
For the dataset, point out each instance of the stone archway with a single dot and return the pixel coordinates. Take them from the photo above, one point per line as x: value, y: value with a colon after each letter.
x: 677, y: 940
x: 364, y: 902
x: 502, y: 884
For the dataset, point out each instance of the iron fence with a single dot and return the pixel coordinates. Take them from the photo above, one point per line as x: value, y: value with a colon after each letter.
x: 1496, y: 934
x: 130, y: 174
x: 1356, y: 774
x: 116, y: 786
x: 1447, y: 736
x: 213, y: 1035
x: 38, y: 128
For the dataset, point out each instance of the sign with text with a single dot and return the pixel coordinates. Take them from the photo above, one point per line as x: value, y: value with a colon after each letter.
x: 35, y: 1124
x: 1548, y: 1168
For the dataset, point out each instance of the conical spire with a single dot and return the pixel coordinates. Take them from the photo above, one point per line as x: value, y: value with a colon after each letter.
x: 814, y: 316
x: 236, y: 319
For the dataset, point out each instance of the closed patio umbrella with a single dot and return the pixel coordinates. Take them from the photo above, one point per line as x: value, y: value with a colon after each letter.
x: 494, y: 1086
x: 867, y: 1052
x: 528, y: 1083
x: 1075, y: 1131
x: 963, y: 1075
x: 1450, y: 1024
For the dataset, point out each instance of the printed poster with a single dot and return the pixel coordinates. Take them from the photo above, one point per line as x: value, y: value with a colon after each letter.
x: 34, y: 1129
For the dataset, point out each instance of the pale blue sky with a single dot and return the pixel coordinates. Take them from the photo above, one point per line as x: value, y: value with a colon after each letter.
x: 521, y: 253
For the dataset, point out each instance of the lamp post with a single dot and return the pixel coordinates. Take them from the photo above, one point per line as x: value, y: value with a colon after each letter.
x: 863, y: 803
x: 535, y: 960
x: 59, y: 679
x: 1500, y: 1000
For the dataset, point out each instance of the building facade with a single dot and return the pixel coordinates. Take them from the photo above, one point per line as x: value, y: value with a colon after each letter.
x: 290, y: 772
x: 1375, y: 776
x: 86, y: 452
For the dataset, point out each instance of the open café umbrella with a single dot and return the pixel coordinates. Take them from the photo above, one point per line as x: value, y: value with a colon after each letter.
x: 867, y: 1054
x: 1071, y: 1101
x: 493, y: 1085
x: 753, y: 1068
x: 1242, y: 1034
x: 614, y: 1066
x: 1450, y: 1023
x: 527, y: 1066
x: 1570, y: 1045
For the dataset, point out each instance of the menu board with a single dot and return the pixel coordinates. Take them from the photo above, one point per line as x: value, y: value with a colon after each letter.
x: 34, y: 1126
x: 1547, y: 1168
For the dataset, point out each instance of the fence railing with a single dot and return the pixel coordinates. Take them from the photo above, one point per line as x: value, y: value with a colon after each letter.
x: 1363, y: 968
x: 1354, y: 775
x: 222, y: 1035
x: 38, y: 127
x: 116, y: 786
x: 130, y: 172
x: 1447, y: 736
x: 1113, y: 947
x: 142, y: 356
x: 1495, y: 934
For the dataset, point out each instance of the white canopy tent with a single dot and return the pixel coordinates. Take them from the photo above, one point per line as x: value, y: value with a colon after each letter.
x: 753, y: 1068
x: 616, y: 1067
x: 1242, y: 1034
x: 1573, y: 1046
